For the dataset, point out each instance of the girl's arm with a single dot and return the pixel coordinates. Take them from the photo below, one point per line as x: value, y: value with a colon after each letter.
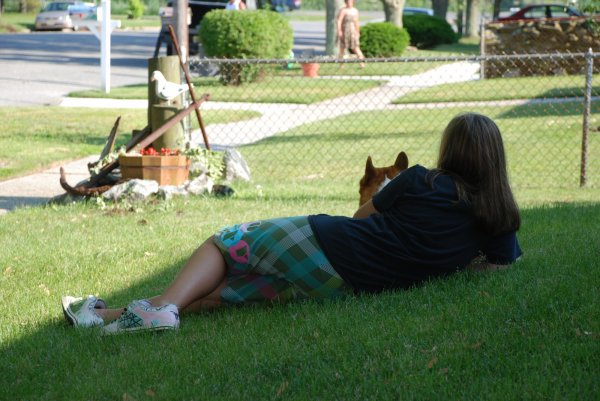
x: 365, y: 210
x: 357, y: 25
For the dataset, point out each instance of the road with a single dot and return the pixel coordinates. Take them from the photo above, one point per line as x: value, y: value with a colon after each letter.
x: 40, y: 68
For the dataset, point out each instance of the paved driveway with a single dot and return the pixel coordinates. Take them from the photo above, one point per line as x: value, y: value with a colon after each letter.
x: 41, y: 67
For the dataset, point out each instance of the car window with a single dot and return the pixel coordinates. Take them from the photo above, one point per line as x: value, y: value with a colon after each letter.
x: 559, y: 12
x: 57, y: 7
x: 536, y: 12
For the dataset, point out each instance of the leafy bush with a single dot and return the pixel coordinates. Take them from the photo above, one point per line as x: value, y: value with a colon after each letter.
x: 136, y: 9
x: 383, y: 39
x: 426, y: 31
x: 245, y: 34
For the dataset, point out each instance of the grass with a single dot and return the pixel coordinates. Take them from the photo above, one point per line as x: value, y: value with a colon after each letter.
x: 530, y: 332
x: 504, y: 89
x: 146, y: 21
x: 17, y: 22
x: 281, y: 85
x: 36, y: 138
x: 527, y: 333
x: 270, y: 90
x: 543, y: 145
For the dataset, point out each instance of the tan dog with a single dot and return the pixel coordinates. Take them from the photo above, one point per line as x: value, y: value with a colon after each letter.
x: 376, y: 178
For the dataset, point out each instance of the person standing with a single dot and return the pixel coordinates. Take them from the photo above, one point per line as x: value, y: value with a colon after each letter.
x: 235, y: 5
x: 348, y: 31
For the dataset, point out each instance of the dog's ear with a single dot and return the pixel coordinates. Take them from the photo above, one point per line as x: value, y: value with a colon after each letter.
x: 401, y: 161
x: 369, y: 168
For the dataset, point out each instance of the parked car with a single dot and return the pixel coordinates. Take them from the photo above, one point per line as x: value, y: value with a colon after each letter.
x: 198, y: 9
x: 417, y: 10
x: 284, y: 5
x: 60, y: 15
x: 542, y: 11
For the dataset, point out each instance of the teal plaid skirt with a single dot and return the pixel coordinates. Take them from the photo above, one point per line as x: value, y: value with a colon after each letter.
x: 276, y: 260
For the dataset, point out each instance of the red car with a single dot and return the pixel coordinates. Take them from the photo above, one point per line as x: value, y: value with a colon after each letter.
x: 541, y: 11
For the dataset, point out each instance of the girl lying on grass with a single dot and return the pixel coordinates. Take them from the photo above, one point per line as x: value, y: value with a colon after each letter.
x: 423, y: 224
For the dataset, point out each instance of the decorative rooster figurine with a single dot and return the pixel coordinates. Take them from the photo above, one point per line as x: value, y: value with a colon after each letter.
x: 164, y: 89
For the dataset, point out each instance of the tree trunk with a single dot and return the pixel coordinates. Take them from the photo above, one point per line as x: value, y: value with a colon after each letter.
x: 393, y: 11
x: 333, y: 7
x: 460, y: 17
x: 496, y: 12
x: 473, y: 18
x: 440, y: 8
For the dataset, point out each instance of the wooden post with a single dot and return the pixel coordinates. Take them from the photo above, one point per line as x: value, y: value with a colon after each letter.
x: 180, y: 10
x: 169, y: 66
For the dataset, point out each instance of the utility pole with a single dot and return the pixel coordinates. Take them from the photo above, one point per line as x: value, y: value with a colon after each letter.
x: 180, y: 14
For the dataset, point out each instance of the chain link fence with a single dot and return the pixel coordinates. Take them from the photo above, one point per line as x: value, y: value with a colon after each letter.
x: 331, y: 123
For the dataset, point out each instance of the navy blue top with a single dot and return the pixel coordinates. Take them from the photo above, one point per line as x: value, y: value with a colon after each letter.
x: 420, y: 232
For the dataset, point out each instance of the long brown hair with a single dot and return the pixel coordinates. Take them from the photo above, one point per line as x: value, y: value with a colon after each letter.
x: 472, y: 152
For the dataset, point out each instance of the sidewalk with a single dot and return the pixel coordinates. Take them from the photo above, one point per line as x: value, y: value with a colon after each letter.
x: 39, y: 188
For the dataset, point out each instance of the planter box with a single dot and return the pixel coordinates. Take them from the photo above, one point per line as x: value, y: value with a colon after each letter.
x: 166, y: 170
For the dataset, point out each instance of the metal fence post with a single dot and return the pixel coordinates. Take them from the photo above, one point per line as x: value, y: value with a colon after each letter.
x: 482, y: 48
x: 587, y: 101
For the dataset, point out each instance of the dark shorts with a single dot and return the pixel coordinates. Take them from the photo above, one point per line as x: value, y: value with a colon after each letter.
x: 276, y: 260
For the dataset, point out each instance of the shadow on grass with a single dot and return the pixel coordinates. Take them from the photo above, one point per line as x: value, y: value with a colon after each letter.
x: 474, y: 327
x: 557, y: 109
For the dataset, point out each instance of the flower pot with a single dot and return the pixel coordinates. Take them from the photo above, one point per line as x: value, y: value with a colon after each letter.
x: 311, y: 69
x: 166, y: 170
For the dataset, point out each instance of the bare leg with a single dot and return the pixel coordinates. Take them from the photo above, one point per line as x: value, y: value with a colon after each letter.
x: 197, y: 285
x: 360, y: 55
x: 341, y: 55
x: 203, y: 273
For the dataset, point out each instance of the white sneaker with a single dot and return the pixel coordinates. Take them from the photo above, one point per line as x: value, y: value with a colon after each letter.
x: 142, y: 316
x: 82, y: 312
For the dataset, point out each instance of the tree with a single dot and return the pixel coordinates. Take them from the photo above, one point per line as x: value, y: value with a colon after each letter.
x: 496, y: 11
x: 393, y: 11
x: 473, y: 18
x: 440, y: 8
x: 332, y: 9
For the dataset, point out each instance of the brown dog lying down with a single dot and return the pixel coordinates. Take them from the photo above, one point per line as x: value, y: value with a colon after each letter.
x: 376, y: 178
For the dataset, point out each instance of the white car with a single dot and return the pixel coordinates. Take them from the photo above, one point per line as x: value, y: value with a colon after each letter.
x: 417, y: 10
x: 60, y: 15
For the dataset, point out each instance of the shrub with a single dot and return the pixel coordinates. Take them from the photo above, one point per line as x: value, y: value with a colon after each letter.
x: 136, y: 9
x: 245, y: 34
x: 426, y: 31
x: 383, y: 39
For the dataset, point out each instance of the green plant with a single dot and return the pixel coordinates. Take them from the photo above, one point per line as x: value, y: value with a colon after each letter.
x: 426, y: 31
x: 136, y: 9
x: 26, y: 6
x: 247, y: 34
x: 211, y: 162
x: 383, y: 39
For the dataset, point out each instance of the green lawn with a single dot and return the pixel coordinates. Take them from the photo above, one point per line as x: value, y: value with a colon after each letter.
x: 504, y: 89
x: 35, y: 138
x: 17, y: 22
x: 271, y: 90
x: 146, y: 21
x: 527, y: 333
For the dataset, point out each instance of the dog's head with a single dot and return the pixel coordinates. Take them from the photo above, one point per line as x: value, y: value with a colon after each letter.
x: 376, y: 178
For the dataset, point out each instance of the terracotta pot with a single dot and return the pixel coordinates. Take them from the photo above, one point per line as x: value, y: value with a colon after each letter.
x: 311, y: 69
x: 166, y: 170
